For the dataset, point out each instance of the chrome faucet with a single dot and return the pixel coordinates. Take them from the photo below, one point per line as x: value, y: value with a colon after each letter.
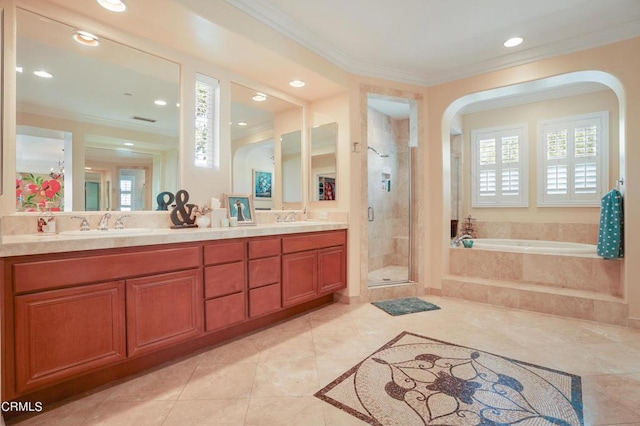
x: 457, y: 240
x: 119, y: 224
x: 103, y: 225
x: 84, y: 225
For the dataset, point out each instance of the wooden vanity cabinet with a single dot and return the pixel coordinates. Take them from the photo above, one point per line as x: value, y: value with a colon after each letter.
x: 73, y: 321
x: 313, y: 265
x: 75, y: 313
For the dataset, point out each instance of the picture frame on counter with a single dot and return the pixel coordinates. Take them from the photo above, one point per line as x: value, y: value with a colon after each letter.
x: 240, y: 209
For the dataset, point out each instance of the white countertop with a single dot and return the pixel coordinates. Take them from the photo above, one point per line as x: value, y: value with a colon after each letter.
x: 26, y: 244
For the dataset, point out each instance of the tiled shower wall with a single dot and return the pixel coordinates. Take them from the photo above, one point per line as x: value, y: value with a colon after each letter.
x: 388, y: 233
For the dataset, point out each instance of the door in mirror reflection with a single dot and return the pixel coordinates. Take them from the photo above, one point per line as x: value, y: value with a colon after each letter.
x: 109, y: 102
x: 132, y: 190
x: 323, y: 162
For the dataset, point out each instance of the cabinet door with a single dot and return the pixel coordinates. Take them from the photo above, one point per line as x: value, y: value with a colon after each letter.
x: 61, y: 333
x: 332, y: 270
x: 163, y: 309
x: 299, y: 277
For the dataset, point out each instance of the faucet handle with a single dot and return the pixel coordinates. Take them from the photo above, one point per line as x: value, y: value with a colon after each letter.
x: 119, y: 224
x: 84, y: 225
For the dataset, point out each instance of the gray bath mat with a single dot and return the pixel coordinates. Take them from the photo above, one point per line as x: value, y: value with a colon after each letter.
x: 405, y: 305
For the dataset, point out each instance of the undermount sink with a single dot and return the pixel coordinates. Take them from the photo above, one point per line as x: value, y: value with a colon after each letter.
x: 109, y: 233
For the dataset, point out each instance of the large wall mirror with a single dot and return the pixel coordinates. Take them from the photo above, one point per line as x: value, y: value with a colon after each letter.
x: 323, y: 162
x: 266, y: 148
x: 97, y: 121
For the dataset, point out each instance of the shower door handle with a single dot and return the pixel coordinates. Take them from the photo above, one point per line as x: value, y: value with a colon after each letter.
x: 370, y: 215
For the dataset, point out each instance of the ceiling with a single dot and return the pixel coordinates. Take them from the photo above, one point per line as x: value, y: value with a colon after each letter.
x: 422, y: 42
x: 432, y: 41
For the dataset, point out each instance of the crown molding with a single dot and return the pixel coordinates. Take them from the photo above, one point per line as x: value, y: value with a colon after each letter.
x: 264, y: 12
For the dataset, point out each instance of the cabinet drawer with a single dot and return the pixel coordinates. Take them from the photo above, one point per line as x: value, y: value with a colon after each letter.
x: 264, y: 248
x: 264, y: 300
x: 313, y: 241
x: 221, y: 280
x: 224, y: 311
x: 264, y: 271
x: 48, y: 274
x: 216, y: 254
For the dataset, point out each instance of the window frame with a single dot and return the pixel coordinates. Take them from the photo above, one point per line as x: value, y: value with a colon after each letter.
x: 572, y: 198
x: 501, y: 200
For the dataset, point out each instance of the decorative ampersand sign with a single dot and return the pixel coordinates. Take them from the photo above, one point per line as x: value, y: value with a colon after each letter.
x: 181, y: 215
x: 164, y: 204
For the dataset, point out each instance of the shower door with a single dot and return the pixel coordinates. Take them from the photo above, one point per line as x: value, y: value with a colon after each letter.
x: 389, y: 201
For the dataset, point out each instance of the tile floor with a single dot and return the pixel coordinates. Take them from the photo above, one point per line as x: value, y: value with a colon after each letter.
x: 269, y: 377
x: 388, y: 274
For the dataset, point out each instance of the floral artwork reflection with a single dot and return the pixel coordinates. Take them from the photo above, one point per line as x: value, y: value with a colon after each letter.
x: 34, y: 192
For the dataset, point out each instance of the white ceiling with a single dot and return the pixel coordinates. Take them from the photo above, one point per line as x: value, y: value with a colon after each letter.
x: 431, y: 41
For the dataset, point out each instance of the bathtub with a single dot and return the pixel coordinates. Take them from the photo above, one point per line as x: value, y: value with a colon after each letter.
x: 535, y: 246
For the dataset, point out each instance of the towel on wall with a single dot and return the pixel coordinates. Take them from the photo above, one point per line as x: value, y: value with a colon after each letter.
x: 611, y: 229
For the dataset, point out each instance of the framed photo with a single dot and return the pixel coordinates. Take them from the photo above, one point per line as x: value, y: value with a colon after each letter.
x: 262, y: 184
x: 241, y: 206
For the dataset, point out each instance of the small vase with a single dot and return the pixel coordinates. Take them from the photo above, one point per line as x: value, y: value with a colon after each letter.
x: 203, y: 221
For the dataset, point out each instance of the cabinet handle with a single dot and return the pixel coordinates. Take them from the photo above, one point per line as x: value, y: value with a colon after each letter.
x: 370, y: 215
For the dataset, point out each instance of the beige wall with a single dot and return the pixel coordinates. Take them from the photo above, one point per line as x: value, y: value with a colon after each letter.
x: 620, y: 60
x: 530, y: 114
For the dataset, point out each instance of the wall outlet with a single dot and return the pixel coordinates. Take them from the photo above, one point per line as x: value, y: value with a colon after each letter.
x: 322, y: 215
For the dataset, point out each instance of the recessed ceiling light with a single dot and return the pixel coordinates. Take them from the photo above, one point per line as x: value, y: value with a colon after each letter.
x: 297, y: 83
x: 259, y: 97
x: 85, y: 38
x: 512, y: 42
x: 178, y: 104
x: 242, y: 123
x: 113, y: 5
x: 18, y: 69
x: 160, y: 102
x: 43, y: 74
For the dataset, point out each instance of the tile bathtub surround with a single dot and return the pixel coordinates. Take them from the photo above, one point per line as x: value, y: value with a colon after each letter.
x: 585, y: 233
x: 578, y: 273
x: 252, y: 381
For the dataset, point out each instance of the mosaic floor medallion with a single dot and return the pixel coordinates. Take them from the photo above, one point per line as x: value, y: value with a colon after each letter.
x: 415, y: 380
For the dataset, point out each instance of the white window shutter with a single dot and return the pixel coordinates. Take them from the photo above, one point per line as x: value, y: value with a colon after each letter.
x: 573, y: 161
x: 499, y: 167
x: 207, y: 127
